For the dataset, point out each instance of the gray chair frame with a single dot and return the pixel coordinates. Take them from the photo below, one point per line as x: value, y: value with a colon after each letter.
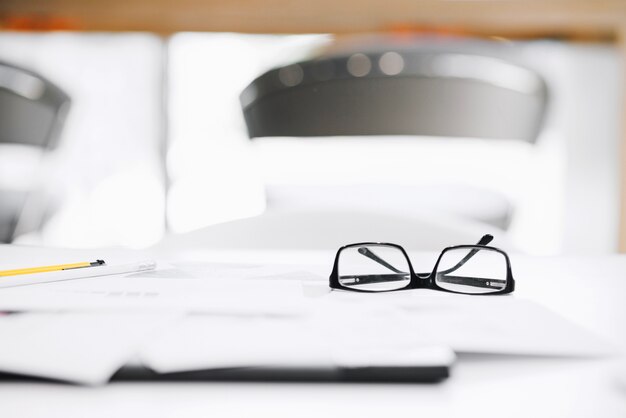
x: 32, y: 113
x: 433, y: 91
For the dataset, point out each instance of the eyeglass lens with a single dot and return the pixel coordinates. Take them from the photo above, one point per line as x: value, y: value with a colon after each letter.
x: 482, y: 273
x: 374, y: 268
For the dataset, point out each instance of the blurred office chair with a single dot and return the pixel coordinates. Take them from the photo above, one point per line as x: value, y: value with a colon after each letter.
x: 410, y: 91
x: 32, y: 113
x: 451, y: 91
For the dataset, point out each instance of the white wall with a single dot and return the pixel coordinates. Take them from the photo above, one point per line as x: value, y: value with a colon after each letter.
x: 584, y: 129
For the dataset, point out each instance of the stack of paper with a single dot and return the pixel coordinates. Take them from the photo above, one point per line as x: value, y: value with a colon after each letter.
x: 215, y: 316
x: 85, y: 348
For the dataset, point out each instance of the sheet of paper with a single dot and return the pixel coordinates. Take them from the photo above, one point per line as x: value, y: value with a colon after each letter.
x: 271, y: 297
x: 238, y: 271
x: 476, y: 324
x: 203, y: 342
x: 85, y: 348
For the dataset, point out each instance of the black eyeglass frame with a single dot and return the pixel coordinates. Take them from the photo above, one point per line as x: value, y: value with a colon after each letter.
x: 423, y: 280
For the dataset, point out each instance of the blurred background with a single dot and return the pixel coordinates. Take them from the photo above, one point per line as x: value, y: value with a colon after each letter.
x: 513, y: 129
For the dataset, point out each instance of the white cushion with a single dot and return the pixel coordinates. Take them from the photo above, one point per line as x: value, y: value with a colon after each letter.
x: 330, y: 229
x: 465, y: 202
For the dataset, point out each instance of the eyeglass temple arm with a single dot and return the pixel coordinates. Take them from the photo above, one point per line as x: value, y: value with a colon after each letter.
x: 474, y: 281
x: 370, y: 254
x: 486, y: 239
x: 383, y: 278
x: 373, y: 278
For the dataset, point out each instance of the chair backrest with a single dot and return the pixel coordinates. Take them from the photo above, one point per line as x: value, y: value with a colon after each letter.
x: 409, y: 91
x: 32, y: 113
x: 32, y: 109
x: 464, y: 89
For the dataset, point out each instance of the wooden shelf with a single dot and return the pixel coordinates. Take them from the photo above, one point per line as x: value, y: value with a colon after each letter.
x: 515, y: 18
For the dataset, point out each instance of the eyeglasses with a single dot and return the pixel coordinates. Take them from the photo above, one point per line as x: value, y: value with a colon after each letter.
x: 383, y: 267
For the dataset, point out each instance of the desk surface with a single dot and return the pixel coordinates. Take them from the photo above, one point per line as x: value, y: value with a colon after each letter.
x: 588, y: 291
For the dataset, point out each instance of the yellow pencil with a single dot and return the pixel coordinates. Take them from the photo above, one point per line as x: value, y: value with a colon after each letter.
x: 44, y: 269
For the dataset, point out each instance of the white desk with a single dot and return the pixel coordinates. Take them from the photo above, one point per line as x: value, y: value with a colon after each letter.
x: 589, y: 291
